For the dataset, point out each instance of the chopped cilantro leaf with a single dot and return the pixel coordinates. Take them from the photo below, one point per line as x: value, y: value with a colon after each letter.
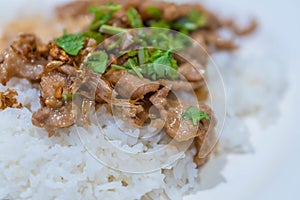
x: 134, y: 18
x: 192, y: 113
x: 96, y: 36
x: 160, y: 24
x: 132, y: 64
x: 97, y: 62
x: 185, y: 25
x: 114, y: 44
x: 143, y: 55
x: 155, y: 12
x: 198, y: 18
x: 160, y: 65
x: 67, y: 96
x: 102, y: 15
x: 71, y: 43
x: 155, y: 64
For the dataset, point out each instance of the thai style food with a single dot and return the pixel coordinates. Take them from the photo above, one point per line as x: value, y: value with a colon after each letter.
x: 136, y: 63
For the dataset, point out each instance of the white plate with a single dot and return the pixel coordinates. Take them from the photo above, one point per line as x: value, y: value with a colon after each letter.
x: 272, y: 171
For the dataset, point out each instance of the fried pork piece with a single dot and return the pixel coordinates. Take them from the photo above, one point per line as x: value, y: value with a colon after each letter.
x: 182, y: 85
x: 159, y: 99
x: 132, y: 87
x: 52, y: 87
x: 190, y: 73
x: 204, y: 145
x: 182, y: 130
x: 174, y: 123
x: 8, y: 99
x: 25, y: 58
x: 52, y: 119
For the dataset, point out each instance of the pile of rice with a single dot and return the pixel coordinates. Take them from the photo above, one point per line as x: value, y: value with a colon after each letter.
x: 33, y: 166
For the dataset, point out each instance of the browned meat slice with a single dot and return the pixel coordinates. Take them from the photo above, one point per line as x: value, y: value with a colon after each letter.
x: 28, y: 46
x: 53, y: 65
x: 16, y: 66
x: 135, y: 114
x: 149, y: 4
x: 170, y: 12
x: 24, y: 59
x: 190, y: 73
x: 8, y: 99
x: 58, y: 54
x: 104, y: 90
x: 132, y: 87
x: 53, y: 119
x: 197, y: 55
x: 159, y: 99
x: 182, y: 85
x: 182, y: 130
x: 114, y: 76
x: 68, y: 70
x: 53, y: 86
x: 204, y: 145
x: 251, y: 27
x: 221, y: 44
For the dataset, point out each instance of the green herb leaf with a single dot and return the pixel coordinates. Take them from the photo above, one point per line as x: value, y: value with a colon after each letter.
x: 155, y: 12
x: 118, y: 67
x: 155, y: 64
x: 111, y: 30
x: 114, y: 44
x: 143, y: 55
x: 192, y: 22
x: 192, y: 113
x: 96, y: 36
x: 97, y: 62
x: 185, y: 25
x: 161, y: 64
x: 134, y: 18
x: 67, y: 96
x: 108, y: 7
x: 102, y: 14
x: 71, y: 43
x: 132, y: 63
x: 160, y: 24
x: 198, y: 18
